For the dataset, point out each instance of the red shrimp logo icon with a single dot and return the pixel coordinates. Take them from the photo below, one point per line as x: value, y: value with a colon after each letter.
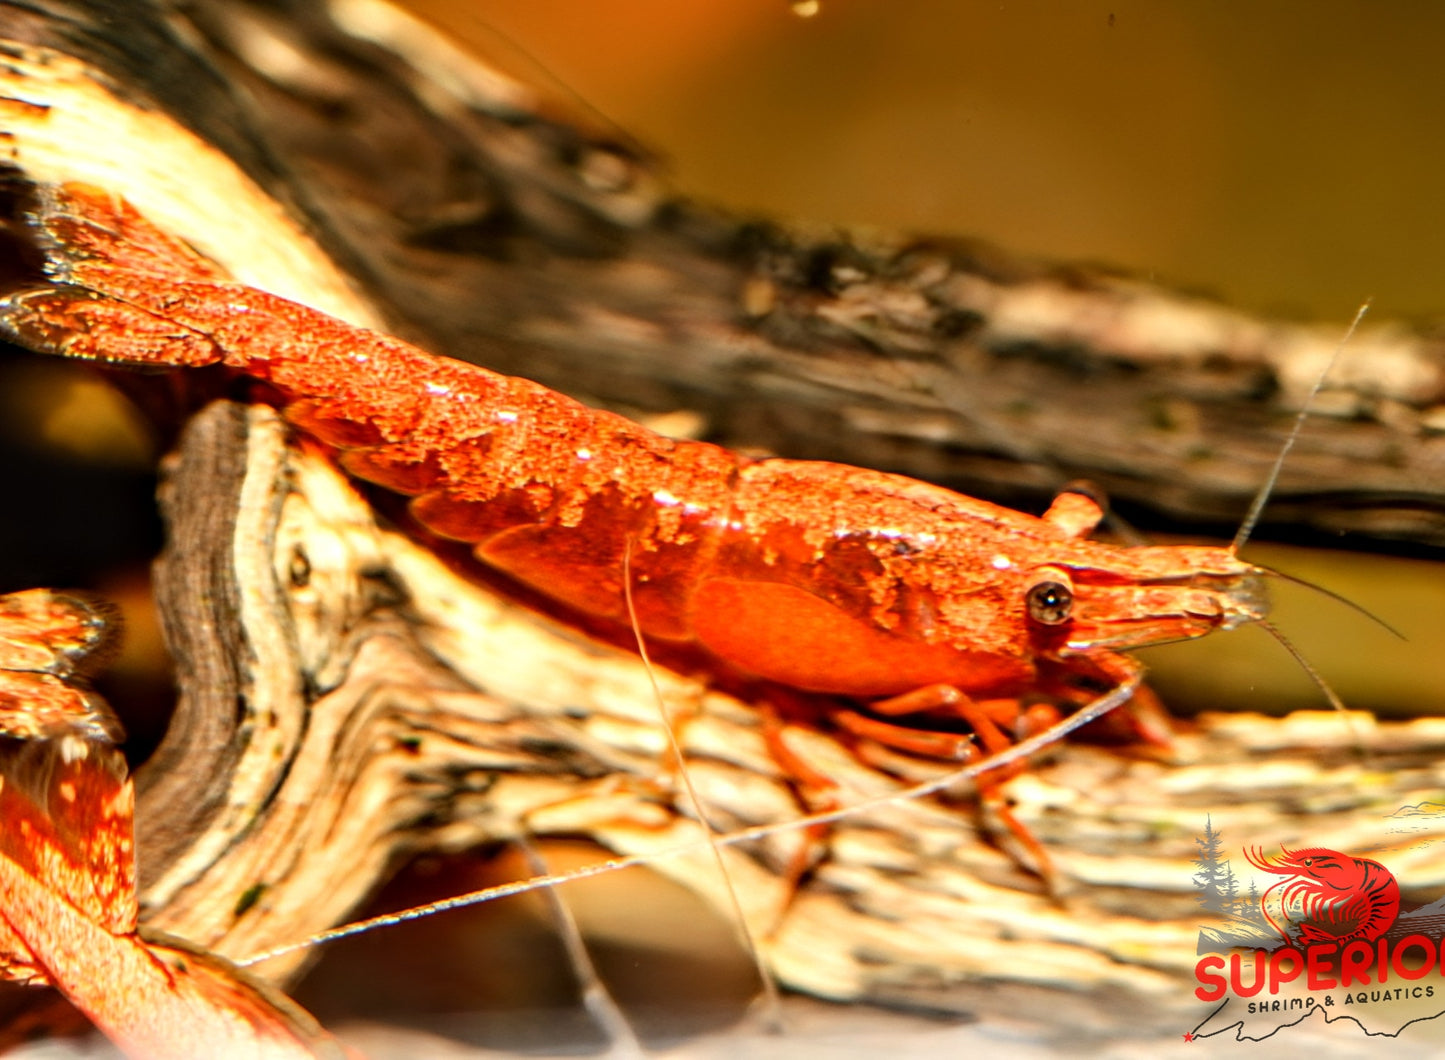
x: 1327, y: 896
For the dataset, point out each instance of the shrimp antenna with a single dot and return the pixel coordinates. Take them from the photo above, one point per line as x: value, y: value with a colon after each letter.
x: 599, y: 1003
x: 1262, y: 497
x: 772, y: 1001
x: 1339, y: 599
x: 539, y: 67
x: 1116, y: 697
x: 1323, y: 685
x: 1320, y: 683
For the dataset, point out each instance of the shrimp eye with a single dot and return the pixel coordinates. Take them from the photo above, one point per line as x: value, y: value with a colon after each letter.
x: 1050, y: 603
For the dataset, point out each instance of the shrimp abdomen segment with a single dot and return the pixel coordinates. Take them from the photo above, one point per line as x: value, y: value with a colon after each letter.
x: 565, y: 499
x: 643, y: 513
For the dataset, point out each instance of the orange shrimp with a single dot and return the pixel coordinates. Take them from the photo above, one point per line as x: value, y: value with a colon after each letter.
x: 68, y: 903
x: 924, y: 607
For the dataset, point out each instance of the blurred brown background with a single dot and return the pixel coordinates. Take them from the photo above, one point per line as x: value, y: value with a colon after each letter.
x: 1281, y: 155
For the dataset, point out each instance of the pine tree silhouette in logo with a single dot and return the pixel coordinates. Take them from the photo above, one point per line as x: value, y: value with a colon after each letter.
x: 1327, y: 896
x: 1213, y: 880
x: 1239, y: 919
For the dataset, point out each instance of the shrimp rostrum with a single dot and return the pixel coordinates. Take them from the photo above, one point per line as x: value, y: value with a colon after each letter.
x: 932, y: 614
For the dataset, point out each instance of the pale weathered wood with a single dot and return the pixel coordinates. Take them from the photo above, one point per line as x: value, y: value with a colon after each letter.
x: 399, y: 708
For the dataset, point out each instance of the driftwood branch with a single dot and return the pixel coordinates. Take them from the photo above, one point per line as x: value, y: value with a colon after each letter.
x: 540, y: 250
x: 944, y: 360
x: 392, y: 707
x: 347, y: 701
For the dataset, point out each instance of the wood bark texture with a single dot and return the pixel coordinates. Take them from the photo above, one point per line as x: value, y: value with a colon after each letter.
x: 540, y: 249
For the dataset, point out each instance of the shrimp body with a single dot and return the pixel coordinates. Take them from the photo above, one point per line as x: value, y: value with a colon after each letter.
x: 818, y: 576
x: 815, y: 575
